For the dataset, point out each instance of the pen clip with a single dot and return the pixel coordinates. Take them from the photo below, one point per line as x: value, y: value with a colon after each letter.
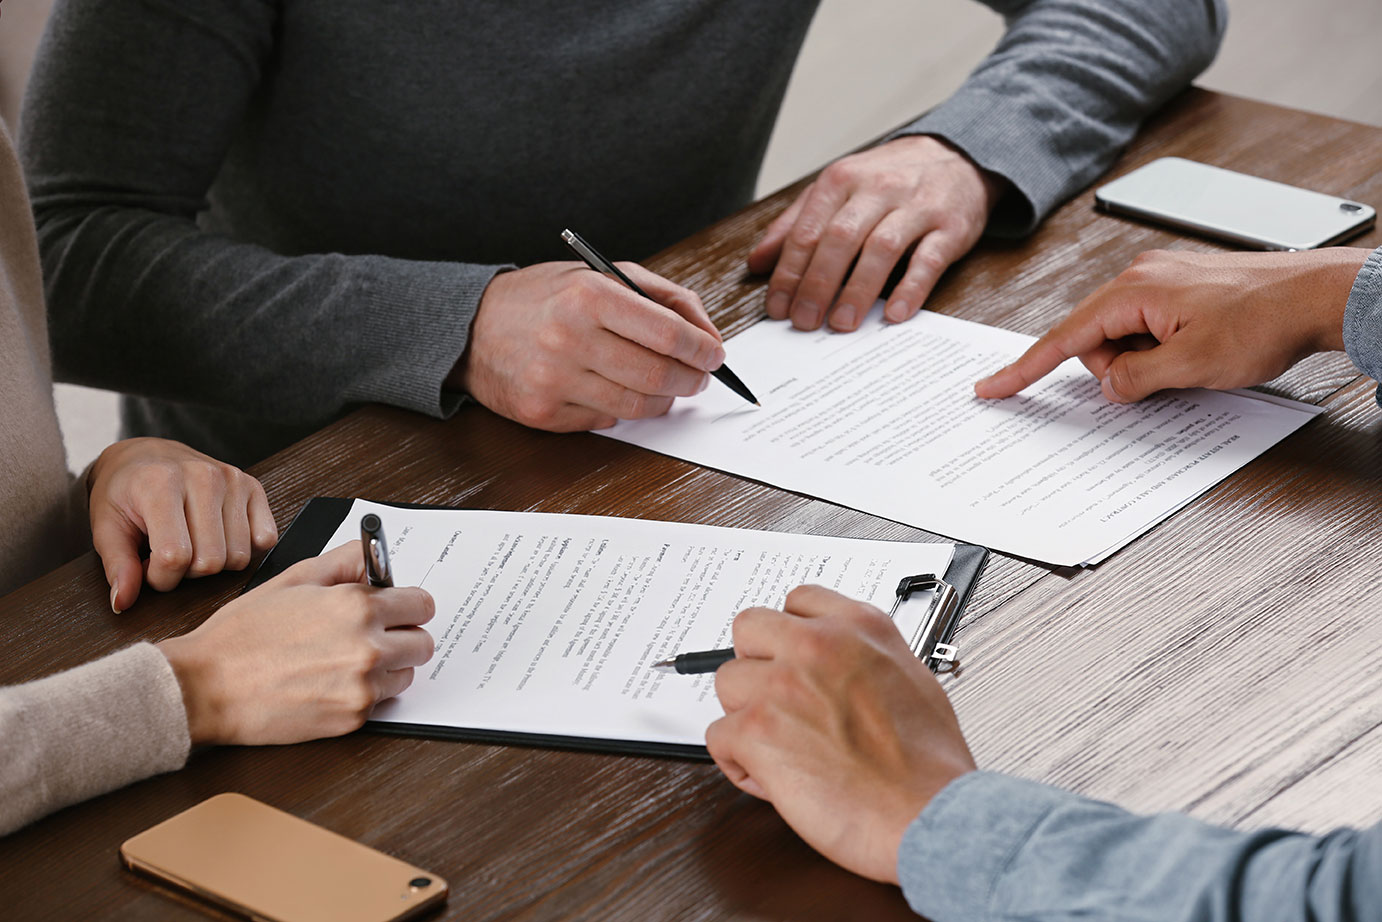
x: 926, y: 636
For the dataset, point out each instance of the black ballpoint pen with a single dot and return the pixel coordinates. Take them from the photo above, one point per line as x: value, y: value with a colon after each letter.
x: 599, y: 263
x: 377, y: 568
x: 696, y: 663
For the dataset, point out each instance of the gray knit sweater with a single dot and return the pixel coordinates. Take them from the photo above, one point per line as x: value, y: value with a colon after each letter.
x: 254, y: 214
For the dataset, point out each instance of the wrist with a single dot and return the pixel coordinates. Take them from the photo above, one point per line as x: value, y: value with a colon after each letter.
x: 1329, y: 284
x: 195, y: 675
x: 990, y: 186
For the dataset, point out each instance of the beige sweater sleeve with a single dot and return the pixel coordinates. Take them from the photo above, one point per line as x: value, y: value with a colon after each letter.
x: 86, y: 731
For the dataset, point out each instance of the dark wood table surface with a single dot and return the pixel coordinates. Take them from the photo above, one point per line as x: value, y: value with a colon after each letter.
x: 1226, y: 663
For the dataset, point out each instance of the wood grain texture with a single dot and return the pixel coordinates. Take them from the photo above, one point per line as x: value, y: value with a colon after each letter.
x: 1222, y: 664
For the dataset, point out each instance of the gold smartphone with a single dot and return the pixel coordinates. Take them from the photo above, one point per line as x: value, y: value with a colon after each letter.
x: 260, y: 862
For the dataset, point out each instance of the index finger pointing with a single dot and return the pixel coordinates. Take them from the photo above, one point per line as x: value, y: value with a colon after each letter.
x: 1103, y: 317
x: 1044, y: 356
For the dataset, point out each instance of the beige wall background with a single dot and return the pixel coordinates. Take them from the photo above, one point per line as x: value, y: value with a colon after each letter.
x: 871, y: 64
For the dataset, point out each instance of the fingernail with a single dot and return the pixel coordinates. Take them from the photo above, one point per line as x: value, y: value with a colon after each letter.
x: 705, y: 382
x: 896, y: 311
x: 843, y: 318
x: 778, y: 302
x: 114, y: 588
x: 717, y: 358
x: 808, y: 315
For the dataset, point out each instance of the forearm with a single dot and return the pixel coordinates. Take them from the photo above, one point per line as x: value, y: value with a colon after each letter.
x: 86, y: 731
x: 149, y: 304
x: 991, y: 847
x: 1065, y: 90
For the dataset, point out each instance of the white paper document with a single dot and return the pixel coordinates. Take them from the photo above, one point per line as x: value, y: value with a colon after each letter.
x: 885, y: 420
x: 549, y: 624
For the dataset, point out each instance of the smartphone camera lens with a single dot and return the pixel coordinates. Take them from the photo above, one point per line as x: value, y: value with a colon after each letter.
x: 1350, y: 207
x: 417, y: 883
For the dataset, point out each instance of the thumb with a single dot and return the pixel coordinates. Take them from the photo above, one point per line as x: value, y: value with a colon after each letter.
x: 117, y: 541
x: 1134, y: 375
x: 766, y: 252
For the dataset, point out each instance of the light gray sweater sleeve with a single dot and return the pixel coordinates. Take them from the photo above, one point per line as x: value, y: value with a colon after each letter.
x: 143, y: 300
x: 991, y: 847
x: 1363, y: 319
x: 1065, y: 90
x: 86, y: 731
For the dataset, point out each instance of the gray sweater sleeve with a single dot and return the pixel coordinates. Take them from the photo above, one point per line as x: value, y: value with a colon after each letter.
x: 1065, y: 90
x: 1363, y: 320
x: 86, y: 731
x: 141, y: 298
x: 992, y: 847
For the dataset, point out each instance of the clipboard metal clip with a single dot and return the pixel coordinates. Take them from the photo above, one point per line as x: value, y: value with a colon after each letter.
x: 927, y: 629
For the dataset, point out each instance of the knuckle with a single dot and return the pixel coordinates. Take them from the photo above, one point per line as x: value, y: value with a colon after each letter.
x: 816, y: 280
x: 207, y: 563
x: 173, y: 556
x: 554, y: 338
x: 657, y: 377
x: 892, y: 185
x: 665, y: 337
x: 869, y: 621
x: 889, y: 242
x: 842, y: 228
x: 359, y: 701
x: 162, y: 476
x: 804, y: 235
x: 368, y: 658
x: 203, y: 475
x: 756, y: 720
x: 536, y: 411
x: 840, y: 174
x: 584, y: 289
x: 929, y: 262
x: 633, y: 405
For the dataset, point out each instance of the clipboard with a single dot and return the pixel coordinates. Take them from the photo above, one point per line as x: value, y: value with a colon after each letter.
x: 319, y: 518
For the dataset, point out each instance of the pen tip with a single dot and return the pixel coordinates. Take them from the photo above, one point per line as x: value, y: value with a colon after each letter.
x: 757, y: 404
x: 666, y: 665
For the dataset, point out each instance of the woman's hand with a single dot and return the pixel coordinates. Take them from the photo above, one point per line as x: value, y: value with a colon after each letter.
x: 306, y: 655
x: 195, y: 515
x: 1183, y: 319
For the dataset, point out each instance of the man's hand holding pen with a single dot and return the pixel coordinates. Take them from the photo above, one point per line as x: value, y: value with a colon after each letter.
x: 832, y: 718
x: 559, y: 347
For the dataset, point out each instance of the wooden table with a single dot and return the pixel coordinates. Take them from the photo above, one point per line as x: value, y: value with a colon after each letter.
x: 1227, y: 663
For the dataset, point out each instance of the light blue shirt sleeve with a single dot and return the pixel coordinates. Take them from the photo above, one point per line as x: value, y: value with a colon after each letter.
x: 991, y: 847
x: 1363, y: 319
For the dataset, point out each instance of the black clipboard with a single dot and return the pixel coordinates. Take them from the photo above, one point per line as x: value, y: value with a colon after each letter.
x: 318, y: 520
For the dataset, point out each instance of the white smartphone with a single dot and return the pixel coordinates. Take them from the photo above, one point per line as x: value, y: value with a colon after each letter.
x: 1235, y: 207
